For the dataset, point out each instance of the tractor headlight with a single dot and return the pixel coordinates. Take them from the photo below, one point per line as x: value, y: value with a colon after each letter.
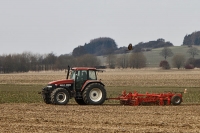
x: 49, y: 86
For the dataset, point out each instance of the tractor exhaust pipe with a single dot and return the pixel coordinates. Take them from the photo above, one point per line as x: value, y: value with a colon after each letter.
x: 68, y: 69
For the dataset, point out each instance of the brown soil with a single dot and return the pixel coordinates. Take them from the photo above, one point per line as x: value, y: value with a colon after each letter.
x: 24, y: 118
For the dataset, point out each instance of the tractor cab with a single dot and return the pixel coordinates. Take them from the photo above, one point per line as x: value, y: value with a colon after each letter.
x: 81, y: 75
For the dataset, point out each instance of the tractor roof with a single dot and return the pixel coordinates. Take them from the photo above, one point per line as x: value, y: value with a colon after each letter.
x: 86, y: 68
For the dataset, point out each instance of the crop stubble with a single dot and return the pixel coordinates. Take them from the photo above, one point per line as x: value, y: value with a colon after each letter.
x: 106, y: 118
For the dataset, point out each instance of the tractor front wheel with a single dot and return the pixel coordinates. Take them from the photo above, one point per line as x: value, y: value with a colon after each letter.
x: 60, y: 96
x: 94, y: 94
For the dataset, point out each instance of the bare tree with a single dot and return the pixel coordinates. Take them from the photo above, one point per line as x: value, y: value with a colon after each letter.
x: 166, y: 52
x: 49, y: 61
x: 137, y: 60
x: 164, y: 64
x: 87, y: 60
x: 63, y: 61
x: 122, y: 61
x: 8, y: 64
x: 193, y: 51
x: 178, y: 60
x: 33, y: 63
x: 111, y: 60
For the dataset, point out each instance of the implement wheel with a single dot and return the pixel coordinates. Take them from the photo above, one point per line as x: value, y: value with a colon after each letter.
x: 94, y: 94
x: 176, y: 100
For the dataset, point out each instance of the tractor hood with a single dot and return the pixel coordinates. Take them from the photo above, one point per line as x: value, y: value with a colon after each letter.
x: 64, y: 81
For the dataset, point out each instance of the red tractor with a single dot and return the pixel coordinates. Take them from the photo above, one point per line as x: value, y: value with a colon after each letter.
x: 81, y: 85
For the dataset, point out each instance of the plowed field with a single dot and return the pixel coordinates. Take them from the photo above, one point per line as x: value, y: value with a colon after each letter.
x: 25, y: 118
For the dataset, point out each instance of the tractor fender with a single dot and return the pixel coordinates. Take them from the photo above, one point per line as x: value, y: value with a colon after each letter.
x: 49, y: 90
x: 71, y: 93
x: 89, y: 82
x: 67, y: 89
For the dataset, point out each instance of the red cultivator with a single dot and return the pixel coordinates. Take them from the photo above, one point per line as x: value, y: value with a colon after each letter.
x: 135, y: 98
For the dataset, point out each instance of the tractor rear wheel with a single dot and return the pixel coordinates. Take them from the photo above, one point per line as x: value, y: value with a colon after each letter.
x: 60, y: 96
x: 94, y: 94
x: 80, y: 101
x: 176, y: 100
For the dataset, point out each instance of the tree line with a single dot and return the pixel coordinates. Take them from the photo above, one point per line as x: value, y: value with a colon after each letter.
x: 28, y: 61
x: 132, y: 60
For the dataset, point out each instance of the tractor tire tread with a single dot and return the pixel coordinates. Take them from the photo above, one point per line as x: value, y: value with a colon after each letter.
x: 53, y: 95
x: 46, y: 98
x: 85, y: 94
x: 174, y: 100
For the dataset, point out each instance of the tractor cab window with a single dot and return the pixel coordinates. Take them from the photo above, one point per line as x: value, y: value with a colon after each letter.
x: 82, y: 75
x: 81, y: 78
x: 92, y: 75
x: 72, y: 75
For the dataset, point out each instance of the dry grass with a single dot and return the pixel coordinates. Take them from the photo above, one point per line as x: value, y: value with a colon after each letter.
x: 116, y: 77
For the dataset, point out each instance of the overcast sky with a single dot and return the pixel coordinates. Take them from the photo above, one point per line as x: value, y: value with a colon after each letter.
x: 58, y: 26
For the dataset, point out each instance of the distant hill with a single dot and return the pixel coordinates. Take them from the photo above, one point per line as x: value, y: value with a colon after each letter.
x: 159, y: 43
x: 147, y: 46
x: 106, y: 45
x: 98, y: 46
x: 192, y: 39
